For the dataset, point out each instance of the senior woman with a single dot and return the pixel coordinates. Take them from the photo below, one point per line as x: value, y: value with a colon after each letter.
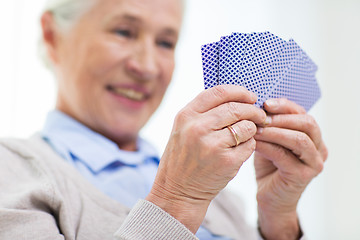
x: 89, y: 175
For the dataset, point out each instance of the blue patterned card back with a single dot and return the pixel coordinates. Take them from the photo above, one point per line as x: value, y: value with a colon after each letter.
x: 223, y: 59
x: 237, y: 48
x: 251, y: 48
x: 299, y: 83
x: 256, y: 76
x: 210, y: 63
x: 263, y: 63
x: 278, y: 68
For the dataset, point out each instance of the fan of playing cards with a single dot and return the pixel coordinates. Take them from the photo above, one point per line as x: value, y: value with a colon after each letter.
x: 264, y: 64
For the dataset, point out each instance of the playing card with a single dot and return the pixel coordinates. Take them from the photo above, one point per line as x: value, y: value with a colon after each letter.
x: 223, y: 59
x: 256, y: 77
x: 279, y: 67
x: 299, y: 83
x: 251, y: 48
x: 210, y: 63
x: 237, y: 47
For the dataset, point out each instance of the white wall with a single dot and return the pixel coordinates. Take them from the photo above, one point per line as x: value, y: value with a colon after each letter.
x: 26, y: 89
x: 328, y: 30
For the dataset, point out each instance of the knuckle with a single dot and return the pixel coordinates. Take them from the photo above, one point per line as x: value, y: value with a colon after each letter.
x: 319, y: 166
x: 182, y: 116
x: 325, y: 153
x: 191, y: 133
x: 252, y: 144
x: 232, y: 108
x: 196, y: 129
x: 310, y: 122
x: 219, y: 91
x: 302, y: 140
x: 248, y: 128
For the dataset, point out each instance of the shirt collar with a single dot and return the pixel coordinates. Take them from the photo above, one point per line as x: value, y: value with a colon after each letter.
x: 96, y: 151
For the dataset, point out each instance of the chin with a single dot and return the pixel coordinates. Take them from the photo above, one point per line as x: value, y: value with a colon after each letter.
x: 126, y: 139
x: 123, y: 128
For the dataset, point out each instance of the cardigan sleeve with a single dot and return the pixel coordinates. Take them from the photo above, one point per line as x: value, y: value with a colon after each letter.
x: 148, y: 221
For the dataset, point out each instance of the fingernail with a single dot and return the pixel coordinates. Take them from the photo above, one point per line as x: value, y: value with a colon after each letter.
x: 259, y: 130
x: 268, y: 120
x: 272, y: 103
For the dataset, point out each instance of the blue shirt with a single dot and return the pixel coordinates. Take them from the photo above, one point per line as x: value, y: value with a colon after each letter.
x: 122, y: 175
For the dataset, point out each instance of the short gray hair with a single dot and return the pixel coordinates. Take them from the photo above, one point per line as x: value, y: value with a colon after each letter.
x: 65, y: 13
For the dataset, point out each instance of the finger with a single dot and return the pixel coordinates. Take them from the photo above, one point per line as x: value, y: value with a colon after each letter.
x: 244, y: 130
x: 299, y: 122
x: 297, y: 142
x: 280, y: 157
x: 232, y: 112
x: 221, y: 94
x: 286, y: 162
x: 263, y: 166
x: 238, y: 155
x: 283, y: 106
x: 324, y: 152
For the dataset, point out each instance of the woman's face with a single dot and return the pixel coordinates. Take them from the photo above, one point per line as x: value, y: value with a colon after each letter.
x: 115, y: 64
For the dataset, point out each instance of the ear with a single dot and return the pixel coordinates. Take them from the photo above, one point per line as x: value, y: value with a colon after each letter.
x: 49, y: 35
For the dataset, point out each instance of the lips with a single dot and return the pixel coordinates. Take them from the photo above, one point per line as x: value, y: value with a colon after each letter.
x: 128, y: 93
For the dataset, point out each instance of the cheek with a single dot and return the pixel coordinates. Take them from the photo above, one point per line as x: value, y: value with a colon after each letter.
x: 168, y: 65
x: 105, y: 56
x: 167, y: 72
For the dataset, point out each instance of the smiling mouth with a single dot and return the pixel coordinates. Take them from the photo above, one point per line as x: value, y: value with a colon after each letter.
x: 128, y: 93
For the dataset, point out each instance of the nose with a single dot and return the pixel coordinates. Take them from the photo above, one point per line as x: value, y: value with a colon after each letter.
x: 142, y: 64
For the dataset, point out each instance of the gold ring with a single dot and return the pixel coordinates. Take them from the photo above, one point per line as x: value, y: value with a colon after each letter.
x: 234, y: 133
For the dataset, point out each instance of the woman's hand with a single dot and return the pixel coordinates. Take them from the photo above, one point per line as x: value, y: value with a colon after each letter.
x: 201, y: 157
x: 289, y: 154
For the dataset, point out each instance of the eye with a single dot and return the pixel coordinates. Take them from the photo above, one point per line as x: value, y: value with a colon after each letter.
x: 124, y: 33
x: 166, y: 44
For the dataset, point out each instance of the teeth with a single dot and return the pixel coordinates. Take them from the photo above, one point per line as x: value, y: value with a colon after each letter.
x: 130, y: 93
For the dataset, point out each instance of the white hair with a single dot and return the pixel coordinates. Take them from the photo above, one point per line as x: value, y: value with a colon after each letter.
x: 65, y: 14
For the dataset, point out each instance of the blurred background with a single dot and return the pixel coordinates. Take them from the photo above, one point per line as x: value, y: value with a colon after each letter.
x: 328, y: 30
